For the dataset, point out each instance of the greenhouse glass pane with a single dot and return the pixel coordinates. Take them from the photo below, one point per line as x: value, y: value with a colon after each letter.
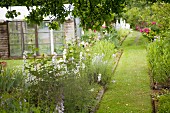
x: 15, y: 50
x: 15, y: 38
x: 44, y: 49
x: 29, y: 38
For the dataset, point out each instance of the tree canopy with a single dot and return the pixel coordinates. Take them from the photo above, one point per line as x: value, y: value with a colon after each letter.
x: 92, y: 13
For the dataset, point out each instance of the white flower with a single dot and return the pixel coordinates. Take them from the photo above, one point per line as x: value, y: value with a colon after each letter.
x: 25, y: 100
x: 76, y: 71
x: 53, y: 59
x: 55, y: 54
x: 113, y: 81
x: 25, y: 53
x: 24, y: 57
x: 92, y: 89
x: 82, y: 43
x: 86, y: 44
x: 103, y: 55
x: 99, y: 77
x: 114, y: 55
x: 64, y: 58
x: 34, y: 54
x: 105, y: 62
x: 60, y: 60
x: 83, y: 66
x: 97, y: 59
x: 64, y: 51
x: 87, y: 50
x: 81, y: 54
x: 50, y: 71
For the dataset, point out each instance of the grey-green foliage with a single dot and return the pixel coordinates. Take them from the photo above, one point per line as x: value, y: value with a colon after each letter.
x: 78, y: 97
x: 116, y: 36
x: 105, y: 47
x: 113, y: 37
x: 159, y: 59
x: 101, y: 61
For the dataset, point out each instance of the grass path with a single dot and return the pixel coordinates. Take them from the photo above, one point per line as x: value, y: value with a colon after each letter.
x: 131, y: 91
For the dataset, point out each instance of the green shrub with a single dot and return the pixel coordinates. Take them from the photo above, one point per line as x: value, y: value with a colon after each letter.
x: 122, y: 33
x: 90, y: 37
x: 113, y: 37
x: 164, y: 104
x: 116, y: 36
x: 159, y: 59
x: 103, y: 47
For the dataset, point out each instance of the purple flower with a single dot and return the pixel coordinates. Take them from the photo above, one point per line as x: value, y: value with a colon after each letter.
x: 153, y: 23
x: 141, y: 30
x: 137, y: 27
x: 146, y: 30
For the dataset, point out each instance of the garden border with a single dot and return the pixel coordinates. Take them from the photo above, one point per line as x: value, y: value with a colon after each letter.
x: 156, y: 89
x: 102, y: 91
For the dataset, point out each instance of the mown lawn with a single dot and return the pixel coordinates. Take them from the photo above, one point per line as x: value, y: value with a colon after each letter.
x: 16, y: 64
x: 130, y: 92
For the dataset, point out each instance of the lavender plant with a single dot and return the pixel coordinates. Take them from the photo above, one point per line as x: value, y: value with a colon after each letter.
x: 101, y: 62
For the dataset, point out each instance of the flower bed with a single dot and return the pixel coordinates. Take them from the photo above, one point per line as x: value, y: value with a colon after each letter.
x: 69, y: 83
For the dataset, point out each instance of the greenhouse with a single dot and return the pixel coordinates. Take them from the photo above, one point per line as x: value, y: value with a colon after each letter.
x: 20, y: 36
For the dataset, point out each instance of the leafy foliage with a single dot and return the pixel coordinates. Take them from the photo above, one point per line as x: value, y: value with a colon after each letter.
x: 10, y: 80
x: 142, y: 16
x: 164, y: 102
x: 11, y: 89
x: 159, y: 59
x: 92, y: 13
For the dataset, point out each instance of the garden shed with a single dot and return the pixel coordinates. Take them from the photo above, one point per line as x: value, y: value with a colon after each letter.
x: 17, y: 36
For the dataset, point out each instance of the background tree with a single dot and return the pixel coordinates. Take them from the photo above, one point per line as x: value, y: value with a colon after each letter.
x: 92, y: 13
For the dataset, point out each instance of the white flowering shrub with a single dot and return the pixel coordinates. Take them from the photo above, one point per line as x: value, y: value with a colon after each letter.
x: 50, y: 79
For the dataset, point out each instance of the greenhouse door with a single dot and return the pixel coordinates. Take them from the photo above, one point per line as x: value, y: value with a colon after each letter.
x: 21, y: 37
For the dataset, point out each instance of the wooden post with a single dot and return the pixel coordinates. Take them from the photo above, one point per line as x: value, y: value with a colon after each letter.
x: 8, y: 39
x: 36, y: 39
x: 22, y: 39
x: 52, y: 41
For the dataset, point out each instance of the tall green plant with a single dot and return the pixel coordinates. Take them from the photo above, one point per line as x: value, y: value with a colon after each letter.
x: 164, y: 102
x: 159, y: 59
x: 12, y: 85
x: 10, y: 80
